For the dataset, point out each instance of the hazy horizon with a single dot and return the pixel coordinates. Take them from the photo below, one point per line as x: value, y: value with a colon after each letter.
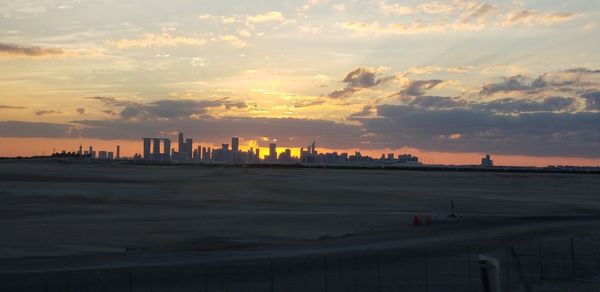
x: 444, y: 80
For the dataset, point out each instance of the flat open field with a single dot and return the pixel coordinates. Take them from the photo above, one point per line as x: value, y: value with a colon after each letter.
x: 69, y: 227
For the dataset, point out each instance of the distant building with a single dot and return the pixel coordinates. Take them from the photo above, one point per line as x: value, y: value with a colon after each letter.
x: 487, y: 161
x: 102, y: 155
x: 119, y: 151
x: 272, y: 151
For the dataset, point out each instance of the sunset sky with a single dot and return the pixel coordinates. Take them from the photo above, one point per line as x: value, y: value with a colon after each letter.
x: 447, y: 80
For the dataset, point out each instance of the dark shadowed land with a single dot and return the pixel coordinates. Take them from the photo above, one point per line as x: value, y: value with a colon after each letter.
x: 77, y: 227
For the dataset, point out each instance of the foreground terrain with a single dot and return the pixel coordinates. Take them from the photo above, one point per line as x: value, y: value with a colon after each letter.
x: 88, y: 227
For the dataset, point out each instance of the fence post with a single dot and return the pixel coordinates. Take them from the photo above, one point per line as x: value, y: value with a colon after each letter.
x: 507, y: 271
x: 541, y: 261
x: 426, y: 271
x: 272, y: 278
x: 130, y: 281
x: 469, y: 266
x: 378, y: 272
x: 205, y: 282
x: 325, y: 273
x: 573, y: 261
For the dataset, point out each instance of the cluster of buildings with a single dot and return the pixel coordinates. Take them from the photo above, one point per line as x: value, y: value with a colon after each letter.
x: 101, y: 154
x: 159, y: 149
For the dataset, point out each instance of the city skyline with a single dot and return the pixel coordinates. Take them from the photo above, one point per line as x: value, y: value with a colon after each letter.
x: 185, y: 150
x: 448, y: 81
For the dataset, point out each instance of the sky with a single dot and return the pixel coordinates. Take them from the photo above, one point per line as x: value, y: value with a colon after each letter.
x: 448, y: 80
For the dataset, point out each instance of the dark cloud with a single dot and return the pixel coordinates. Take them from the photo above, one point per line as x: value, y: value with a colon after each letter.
x: 360, y: 78
x: 564, y: 81
x: 418, y: 87
x: 434, y: 101
x: 592, y: 100
x: 480, y: 12
x: 364, y: 77
x: 110, y: 101
x: 80, y: 111
x: 512, y: 105
x: 343, y: 93
x: 509, y: 84
x: 366, y: 111
x: 110, y: 113
x: 47, y: 112
x: 166, y: 108
x: 20, y: 129
x: 302, y: 131
x: 10, y: 49
x: 473, y: 130
x: 11, y: 107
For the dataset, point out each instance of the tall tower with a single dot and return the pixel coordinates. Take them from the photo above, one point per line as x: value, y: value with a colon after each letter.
x: 118, y: 151
x: 235, y: 144
x: 189, y: 144
x: 272, y: 151
x: 166, y: 149
x: 147, y: 145
x: 181, y: 146
x: 156, y: 149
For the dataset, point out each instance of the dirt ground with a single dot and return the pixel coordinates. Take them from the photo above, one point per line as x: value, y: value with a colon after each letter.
x: 70, y: 227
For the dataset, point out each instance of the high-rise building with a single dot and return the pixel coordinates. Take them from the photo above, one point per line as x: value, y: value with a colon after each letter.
x: 189, y: 144
x: 147, y: 145
x: 166, y: 150
x: 80, y: 152
x: 156, y: 149
x: 102, y: 155
x: 181, y: 146
x: 487, y: 161
x: 272, y: 151
x: 235, y: 144
x: 119, y: 151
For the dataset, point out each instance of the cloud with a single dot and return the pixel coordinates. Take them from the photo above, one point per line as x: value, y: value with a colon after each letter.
x: 437, y: 102
x: 562, y: 81
x: 592, y: 100
x: 535, y: 134
x: 308, y: 103
x: 364, y: 77
x: 80, y: 111
x: 16, y: 50
x: 512, y: 105
x: 47, y: 112
x: 271, y: 16
x: 157, y: 40
x: 527, y: 17
x: 9, y: 107
x: 361, y: 78
x: 233, y: 40
x: 343, y: 93
x: 302, y: 131
x: 453, y: 16
x: 20, y: 129
x: 418, y: 87
x: 167, y: 108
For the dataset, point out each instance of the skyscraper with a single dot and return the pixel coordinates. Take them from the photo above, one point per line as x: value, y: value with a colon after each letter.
x: 272, y: 151
x: 235, y: 144
x: 166, y: 149
x: 181, y: 146
x: 189, y: 144
x: 147, y: 145
x: 118, y: 151
x: 156, y: 149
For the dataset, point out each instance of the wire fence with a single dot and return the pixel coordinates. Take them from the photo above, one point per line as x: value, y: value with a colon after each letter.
x: 571, y: 264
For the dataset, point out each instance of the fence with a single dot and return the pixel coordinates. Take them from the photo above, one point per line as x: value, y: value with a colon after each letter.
x: 571, y: 264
